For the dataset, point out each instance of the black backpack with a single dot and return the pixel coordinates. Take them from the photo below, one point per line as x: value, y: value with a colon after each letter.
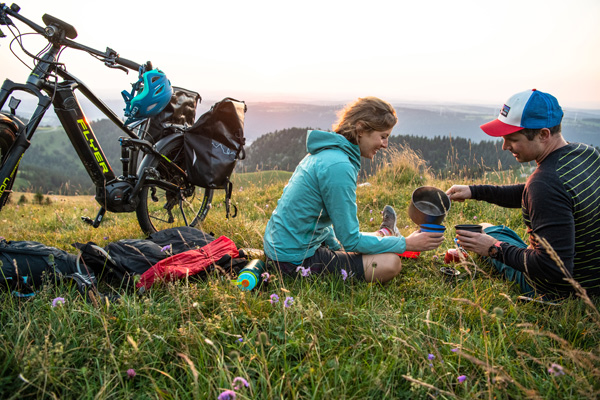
x: 214, y: 144
x: 27, y: 265
x: 118, y: 262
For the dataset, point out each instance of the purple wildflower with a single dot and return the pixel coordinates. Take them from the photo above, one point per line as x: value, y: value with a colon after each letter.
x: 105, y: 237
x: 166, y: 248
x: 274, y: 298
x: 265, y: 277
x: 475, y: 217
x: 344, y: 274
x: 240, y: 340
x: 454, y: 350
x: 227, y: 395
x: 371, y: 220
x: 240, y: 380
x: 288, y: 302
x: 131, y: 373
x: 303, y: 271
x: 430, y: 357
x: 556, y: 370
x: 370, y: 211
x: 57, y: 301
x: 462, y: 378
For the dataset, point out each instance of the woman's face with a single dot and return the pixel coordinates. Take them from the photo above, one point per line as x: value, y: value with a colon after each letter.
x: 370, y: 142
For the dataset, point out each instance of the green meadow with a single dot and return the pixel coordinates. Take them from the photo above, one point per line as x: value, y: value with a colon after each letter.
x: 417, y: 337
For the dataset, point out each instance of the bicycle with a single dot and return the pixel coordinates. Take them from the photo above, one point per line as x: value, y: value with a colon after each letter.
x: 157, y: 188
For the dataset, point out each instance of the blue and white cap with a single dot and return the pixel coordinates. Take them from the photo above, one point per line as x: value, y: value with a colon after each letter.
x: 530, y: 109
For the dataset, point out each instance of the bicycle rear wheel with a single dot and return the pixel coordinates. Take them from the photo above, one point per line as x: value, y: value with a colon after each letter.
x: 160, y: 208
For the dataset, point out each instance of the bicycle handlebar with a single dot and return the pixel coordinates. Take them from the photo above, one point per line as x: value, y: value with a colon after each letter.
x: 58, y: 32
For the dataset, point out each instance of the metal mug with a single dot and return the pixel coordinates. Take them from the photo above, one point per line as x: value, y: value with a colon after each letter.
x: 428, y: 205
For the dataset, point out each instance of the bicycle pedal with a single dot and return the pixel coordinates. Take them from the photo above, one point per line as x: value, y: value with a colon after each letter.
x: 95, y: 222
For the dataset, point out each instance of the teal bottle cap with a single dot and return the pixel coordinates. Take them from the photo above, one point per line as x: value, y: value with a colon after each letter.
x: 247, y: 280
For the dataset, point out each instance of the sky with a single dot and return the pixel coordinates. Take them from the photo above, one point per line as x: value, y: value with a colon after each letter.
x: 463, y: 51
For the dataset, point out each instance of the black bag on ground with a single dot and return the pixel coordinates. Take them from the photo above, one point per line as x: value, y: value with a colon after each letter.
x: 181, y: 239
x: 118, y: 262
x: 26, y: 265
x: 214, y: 144
x: 180, y: 113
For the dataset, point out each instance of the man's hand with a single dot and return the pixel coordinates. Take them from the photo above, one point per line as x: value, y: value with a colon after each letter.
x: 423, y: 241
x: 459, y: 193
x: 478, y: 243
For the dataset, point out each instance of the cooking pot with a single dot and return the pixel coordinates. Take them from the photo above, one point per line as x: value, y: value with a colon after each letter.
x: 428, y: 205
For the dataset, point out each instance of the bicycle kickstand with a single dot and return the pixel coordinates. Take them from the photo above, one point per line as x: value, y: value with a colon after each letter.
x: 95, y: 222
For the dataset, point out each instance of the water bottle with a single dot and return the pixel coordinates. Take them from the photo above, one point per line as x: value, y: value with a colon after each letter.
x: 250, y: 276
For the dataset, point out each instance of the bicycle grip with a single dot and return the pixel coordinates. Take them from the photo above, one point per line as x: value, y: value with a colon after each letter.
x: 128, y: 63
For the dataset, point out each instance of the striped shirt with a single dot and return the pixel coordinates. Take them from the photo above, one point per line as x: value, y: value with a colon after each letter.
x: 561, y: 204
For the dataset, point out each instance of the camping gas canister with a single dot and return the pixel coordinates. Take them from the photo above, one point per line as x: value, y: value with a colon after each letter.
x: 250, y: 276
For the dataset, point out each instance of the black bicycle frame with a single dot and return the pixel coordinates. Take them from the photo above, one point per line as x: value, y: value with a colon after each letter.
x: 80, y: 133
x: 73, y: 120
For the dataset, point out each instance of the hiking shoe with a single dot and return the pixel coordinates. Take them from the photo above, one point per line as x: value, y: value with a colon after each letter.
x: 389, y: 220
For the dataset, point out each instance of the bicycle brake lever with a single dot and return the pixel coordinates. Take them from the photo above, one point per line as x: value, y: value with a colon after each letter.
x: 110, y: 60
x: 115, y: 66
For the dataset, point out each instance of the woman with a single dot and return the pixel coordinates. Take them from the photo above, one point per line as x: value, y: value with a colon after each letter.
x: 316, y: 216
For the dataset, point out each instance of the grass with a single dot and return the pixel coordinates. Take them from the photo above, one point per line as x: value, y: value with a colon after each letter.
x: 410, y: 339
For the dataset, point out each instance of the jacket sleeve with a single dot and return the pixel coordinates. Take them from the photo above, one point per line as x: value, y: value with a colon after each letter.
x: 338, y: 188
x: 508, y: 196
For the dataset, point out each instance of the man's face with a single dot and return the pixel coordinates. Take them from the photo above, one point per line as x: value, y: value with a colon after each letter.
x: 522, y: 149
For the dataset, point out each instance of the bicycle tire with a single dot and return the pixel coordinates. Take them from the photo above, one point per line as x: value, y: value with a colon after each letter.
x: 160, y: 209
x: 7, y: 138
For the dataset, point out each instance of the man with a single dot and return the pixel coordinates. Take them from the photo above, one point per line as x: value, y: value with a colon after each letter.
x: 560, y: 203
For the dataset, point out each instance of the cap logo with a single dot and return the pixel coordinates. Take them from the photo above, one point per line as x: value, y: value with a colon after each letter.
x: 505, y: 110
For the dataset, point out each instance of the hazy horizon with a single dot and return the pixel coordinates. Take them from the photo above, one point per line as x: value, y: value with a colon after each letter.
x: 461, y: 52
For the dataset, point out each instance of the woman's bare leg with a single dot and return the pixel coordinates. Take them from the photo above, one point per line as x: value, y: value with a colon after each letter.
x: 381, y: 267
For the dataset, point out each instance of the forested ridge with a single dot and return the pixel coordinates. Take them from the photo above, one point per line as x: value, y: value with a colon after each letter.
x: 445, y: 155
x: 51, y: 165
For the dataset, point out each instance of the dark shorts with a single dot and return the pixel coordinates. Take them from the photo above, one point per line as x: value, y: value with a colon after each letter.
x: 327, y: 261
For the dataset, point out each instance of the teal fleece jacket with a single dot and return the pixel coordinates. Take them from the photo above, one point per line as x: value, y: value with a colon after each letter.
x: 318, y: 205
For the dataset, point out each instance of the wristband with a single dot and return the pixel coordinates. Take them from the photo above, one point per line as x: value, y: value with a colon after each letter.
x: 495, y: 250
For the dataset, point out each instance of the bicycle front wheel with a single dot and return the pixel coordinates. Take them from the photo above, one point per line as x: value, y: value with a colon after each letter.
x: 160, y: 208
x: 7, y: 138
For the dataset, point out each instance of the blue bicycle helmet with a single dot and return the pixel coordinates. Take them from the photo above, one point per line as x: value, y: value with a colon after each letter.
x: 154, y: 92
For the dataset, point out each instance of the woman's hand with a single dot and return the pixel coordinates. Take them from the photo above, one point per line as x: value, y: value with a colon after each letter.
x: 423, y: 241
x: 459, y: 193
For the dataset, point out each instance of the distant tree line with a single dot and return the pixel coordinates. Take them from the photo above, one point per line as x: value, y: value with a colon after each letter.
x: 446, y: 156
x: 52, y: 166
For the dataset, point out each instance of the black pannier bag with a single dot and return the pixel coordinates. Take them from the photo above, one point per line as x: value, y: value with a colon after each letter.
x: 214, y: 144
x: 180, y: 113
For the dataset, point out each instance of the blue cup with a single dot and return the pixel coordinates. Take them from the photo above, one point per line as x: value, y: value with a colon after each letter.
x: 432, y: 228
